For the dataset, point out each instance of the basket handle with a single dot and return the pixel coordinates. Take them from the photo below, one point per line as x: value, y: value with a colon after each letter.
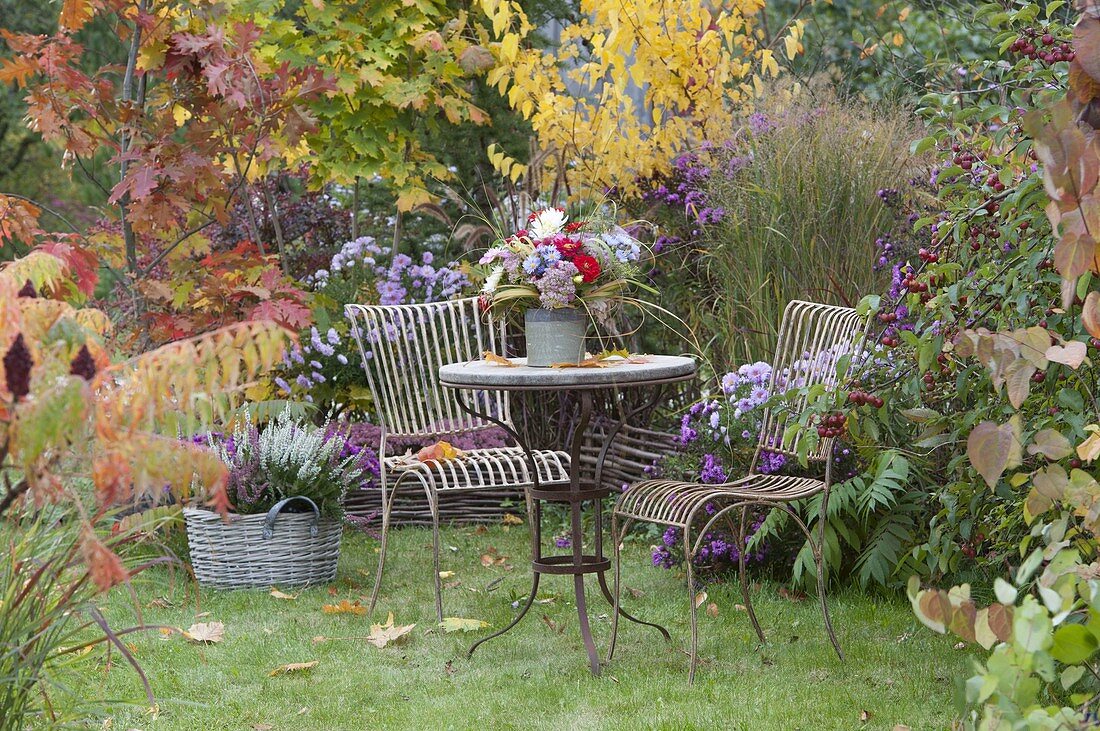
x: 269, y: 521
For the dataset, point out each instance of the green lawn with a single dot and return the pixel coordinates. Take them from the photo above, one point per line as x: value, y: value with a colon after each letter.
x: 534, y: 676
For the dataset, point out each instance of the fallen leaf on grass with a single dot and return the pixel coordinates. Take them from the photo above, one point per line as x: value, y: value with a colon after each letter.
x: 490, y: 357
x: 902, y: 727
x: 448, y: 668
x: 491, y: 558
x: 791, y: 595
x: 635, y: 593
x: 446, y: 574
x: 461, y: 624
x: 332, y: 591
x: 262, y: 727
x: 510, y: 519
x: 700, y: 598
x: 864, y: 716
x: 159, y: 603
x: 206, y: 632
x: 480, y: 530
x: 740, y: 608
x: 344, y: 607
x: 452, y: 584
x: 280, y: 595
x: 292, y: 667
x: 555, y: 626
x: 383, y: 634
x: 712, y: 610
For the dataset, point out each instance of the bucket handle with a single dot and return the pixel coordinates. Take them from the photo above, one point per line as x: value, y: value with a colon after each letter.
x: 269, y: 521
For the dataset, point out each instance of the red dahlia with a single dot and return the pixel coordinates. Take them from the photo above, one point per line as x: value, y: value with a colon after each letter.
x: 587, y: 266
x: 574, y: 226
x: 567, y: 247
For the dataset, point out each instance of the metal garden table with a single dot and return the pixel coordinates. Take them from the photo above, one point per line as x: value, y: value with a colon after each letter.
x: 656, y: 372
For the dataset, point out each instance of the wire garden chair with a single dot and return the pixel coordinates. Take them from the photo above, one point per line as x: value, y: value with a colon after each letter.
x: 813, y: 339
x: 402, y: 347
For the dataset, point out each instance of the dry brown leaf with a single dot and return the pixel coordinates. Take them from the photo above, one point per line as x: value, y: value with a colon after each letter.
x: 712, y: 610
x: 586, y: 363
x: 740, y: 608
x: 332, y: 591
x: 344, y: 607
x: 262, y: 727
x: 206, y: 632
x: 280, y: 595
x: 510, y: 519
x: 292, y: 667
x: 159, y: 603
x: 491, y: 558
x: 452, y: 584
x: 384, y: 634
x: 555, y: 626
x: 700, y: 598
x: 791, y: 595
x: 635, y: 593
x: 864, y: 716
x: 490, y: 357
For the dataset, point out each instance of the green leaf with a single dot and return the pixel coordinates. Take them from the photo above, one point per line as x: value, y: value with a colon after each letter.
x: 1006, y: 592
x: 1073, y: 644
x: 461, y: 624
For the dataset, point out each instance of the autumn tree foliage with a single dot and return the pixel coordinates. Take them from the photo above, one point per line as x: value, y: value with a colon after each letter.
x: 69, y: 411
x: 189, y: 114
x: 696, y: 67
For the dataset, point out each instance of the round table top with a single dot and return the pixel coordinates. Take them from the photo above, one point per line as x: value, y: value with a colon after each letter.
x: 486, y: 375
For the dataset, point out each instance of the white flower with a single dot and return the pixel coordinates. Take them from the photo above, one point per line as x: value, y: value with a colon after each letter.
x: 547, y: 223
x: 493, y: 280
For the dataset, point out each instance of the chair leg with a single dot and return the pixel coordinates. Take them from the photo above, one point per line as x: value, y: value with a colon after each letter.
x: 744, y: 580
x: 437, y: 581
x: 694, y: 653
x: 387, y: 505
x: 819, y: 554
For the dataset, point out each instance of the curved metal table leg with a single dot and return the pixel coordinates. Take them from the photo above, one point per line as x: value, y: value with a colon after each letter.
x: 515, y: 620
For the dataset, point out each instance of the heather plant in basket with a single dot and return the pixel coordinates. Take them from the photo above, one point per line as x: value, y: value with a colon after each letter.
x: 288, y: 458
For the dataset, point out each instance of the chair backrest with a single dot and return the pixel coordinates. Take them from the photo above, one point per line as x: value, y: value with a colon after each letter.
x: 813, y: 338
x: 403, y: 346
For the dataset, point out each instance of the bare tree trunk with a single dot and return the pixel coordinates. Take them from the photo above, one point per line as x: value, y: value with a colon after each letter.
x: 273, y: 215
x: 125, y: 141
x: 355, y: 210
x: 253, y: 227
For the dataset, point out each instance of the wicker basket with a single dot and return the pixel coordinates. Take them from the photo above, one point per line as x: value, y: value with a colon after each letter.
x: 259, y: 551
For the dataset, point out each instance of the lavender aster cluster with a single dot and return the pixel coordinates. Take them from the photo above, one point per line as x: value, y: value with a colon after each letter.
x: 556, y: 287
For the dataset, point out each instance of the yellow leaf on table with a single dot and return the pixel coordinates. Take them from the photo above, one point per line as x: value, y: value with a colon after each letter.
x: 344, y: 607
x: 490, y: 357
x: 461, y: 624
x: 206, y: 632
x: 280, y: 595
x: 293, y: 667
x: 383, y: 634
x: 586, y: 363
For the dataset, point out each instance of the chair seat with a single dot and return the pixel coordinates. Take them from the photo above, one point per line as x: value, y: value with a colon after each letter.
x: 485, y: 468
x: 675, y: 503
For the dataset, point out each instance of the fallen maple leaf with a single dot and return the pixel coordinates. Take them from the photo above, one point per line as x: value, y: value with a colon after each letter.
x: 438, y: 452
x: 586, y: 363
x: 293, y: 667
x: 280, y: 595
x: 344, y: 607
x: 206, y: 632
x: 383, y: 634
x: 461, y: 624
x: 510, y: 519
x: 490, y: 357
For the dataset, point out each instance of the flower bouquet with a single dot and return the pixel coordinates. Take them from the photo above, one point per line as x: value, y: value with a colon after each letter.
x: 562, y: 273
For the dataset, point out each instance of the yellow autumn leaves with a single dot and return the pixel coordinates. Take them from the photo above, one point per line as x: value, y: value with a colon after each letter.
x: 633, y: 83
